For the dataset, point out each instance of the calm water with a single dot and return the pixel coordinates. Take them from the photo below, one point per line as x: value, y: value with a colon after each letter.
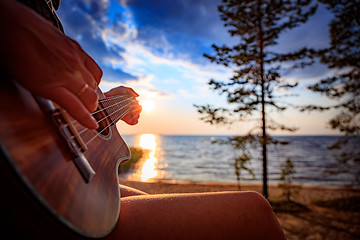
x: 195, y: 158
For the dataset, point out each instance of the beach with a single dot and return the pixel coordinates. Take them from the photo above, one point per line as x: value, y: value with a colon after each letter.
x: 316, y: 222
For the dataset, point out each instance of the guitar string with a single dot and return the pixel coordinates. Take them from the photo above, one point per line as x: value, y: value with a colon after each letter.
x: 109, y: 101
x: 109, y: 125
x: 115, y: 97
x: 98, y: 134
x: 130, y: 101
x: 73, y: 121
x: 108, y: 116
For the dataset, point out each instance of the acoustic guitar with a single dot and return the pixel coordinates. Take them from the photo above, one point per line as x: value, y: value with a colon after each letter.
x: 55, y: 174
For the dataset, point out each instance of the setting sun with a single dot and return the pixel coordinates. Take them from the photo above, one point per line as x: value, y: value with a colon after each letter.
x: 148, y: 105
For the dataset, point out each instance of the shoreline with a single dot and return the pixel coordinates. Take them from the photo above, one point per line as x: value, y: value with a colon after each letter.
x: 306, y: 195
x: 243, y: 183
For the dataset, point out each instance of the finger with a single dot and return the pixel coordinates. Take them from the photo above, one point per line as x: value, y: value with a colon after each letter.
x: 72, y: 104
x: 93, y: 68
x: 133, y: 116
x: 91, y: 71
x: 116, y: 91
x: 131, y: 120
x: 83, y: 91
x: 131, y: 91
x: 121, y: 91
x: 137, y: 108
x: 89, y: 98
x: 84, y: 75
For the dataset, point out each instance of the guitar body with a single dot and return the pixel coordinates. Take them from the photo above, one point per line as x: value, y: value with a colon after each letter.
x: 38, y: 167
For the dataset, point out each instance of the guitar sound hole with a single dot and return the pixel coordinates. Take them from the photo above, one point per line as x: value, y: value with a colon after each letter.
x: 103, y: 121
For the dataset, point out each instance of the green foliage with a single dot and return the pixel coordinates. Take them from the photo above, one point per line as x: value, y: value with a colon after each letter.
x: 286, y: 180
x: 351, y: 204
x: 136, y: 155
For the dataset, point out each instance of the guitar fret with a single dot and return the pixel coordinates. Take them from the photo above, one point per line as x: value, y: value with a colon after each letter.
x: 112, y: 106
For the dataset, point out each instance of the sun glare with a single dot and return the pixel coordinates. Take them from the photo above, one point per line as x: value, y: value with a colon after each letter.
x: 148, y: 105
x: 148, y: 142
x: 149, y: 168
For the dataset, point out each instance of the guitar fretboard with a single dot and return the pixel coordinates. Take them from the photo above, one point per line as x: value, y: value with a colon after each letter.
x: 117, y: 107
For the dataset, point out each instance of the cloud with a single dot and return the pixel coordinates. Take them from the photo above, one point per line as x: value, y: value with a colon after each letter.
x: 144, y: 86
x: 178, y: 26
x: 193, y: 18
x: 135, y: 40
x: 88, y: 23
x: 120, y: 37
x: 185, y: 93
x: 144, y: 92
x: 110, y: 34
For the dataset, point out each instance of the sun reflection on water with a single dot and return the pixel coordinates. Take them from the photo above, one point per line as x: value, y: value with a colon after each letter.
x: 149, y: 168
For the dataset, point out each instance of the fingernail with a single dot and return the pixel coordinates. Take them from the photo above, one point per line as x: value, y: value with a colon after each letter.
x: 94, y: 122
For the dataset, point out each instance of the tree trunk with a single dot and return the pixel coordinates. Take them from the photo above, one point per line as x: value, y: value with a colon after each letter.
x: 264, y: 140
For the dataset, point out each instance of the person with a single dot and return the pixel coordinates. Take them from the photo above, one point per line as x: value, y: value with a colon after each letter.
x: 51, y: 65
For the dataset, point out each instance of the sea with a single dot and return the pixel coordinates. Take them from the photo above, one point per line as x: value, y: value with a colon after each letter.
x: 199, y: 159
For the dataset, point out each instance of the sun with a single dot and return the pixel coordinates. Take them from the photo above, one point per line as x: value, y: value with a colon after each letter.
x: 148, y: 105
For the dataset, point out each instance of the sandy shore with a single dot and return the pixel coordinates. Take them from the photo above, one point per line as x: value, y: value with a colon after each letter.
x: 316, y: 223
x: 307, y: 194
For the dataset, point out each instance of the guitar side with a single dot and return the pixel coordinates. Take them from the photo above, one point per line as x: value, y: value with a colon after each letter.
x: 40, y: 159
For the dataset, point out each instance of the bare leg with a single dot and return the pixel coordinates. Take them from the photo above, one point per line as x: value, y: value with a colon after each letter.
x: 226, y: 215
x: 128, y: 191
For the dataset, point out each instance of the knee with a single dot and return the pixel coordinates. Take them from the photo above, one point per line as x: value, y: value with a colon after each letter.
x: 257, y: 198
x: 254, y: 201
x: 261, y: 214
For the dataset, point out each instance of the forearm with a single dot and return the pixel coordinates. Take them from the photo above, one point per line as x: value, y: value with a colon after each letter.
x: 12, y: 14
x: 46, y: 62
x: 51, y: 65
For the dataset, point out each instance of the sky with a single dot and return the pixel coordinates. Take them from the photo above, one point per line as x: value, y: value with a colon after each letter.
x: 157, y: 46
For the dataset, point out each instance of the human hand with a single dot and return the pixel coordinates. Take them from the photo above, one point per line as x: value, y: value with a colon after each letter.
x: 132, y: 117
x: 48, y: 63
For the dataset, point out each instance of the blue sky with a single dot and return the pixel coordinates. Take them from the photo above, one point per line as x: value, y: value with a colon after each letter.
x: 157, y: 47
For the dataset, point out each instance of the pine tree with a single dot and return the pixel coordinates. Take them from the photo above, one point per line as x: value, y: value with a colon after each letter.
x: 343, y: 56
x: 256, y: 67
x: 343, y: 84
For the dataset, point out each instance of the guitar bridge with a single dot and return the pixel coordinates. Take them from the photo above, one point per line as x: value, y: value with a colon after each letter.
x: 70, y: 135
x: 75, y: 143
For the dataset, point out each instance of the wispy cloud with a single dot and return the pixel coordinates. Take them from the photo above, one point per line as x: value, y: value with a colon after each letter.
x: 157, y: 46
